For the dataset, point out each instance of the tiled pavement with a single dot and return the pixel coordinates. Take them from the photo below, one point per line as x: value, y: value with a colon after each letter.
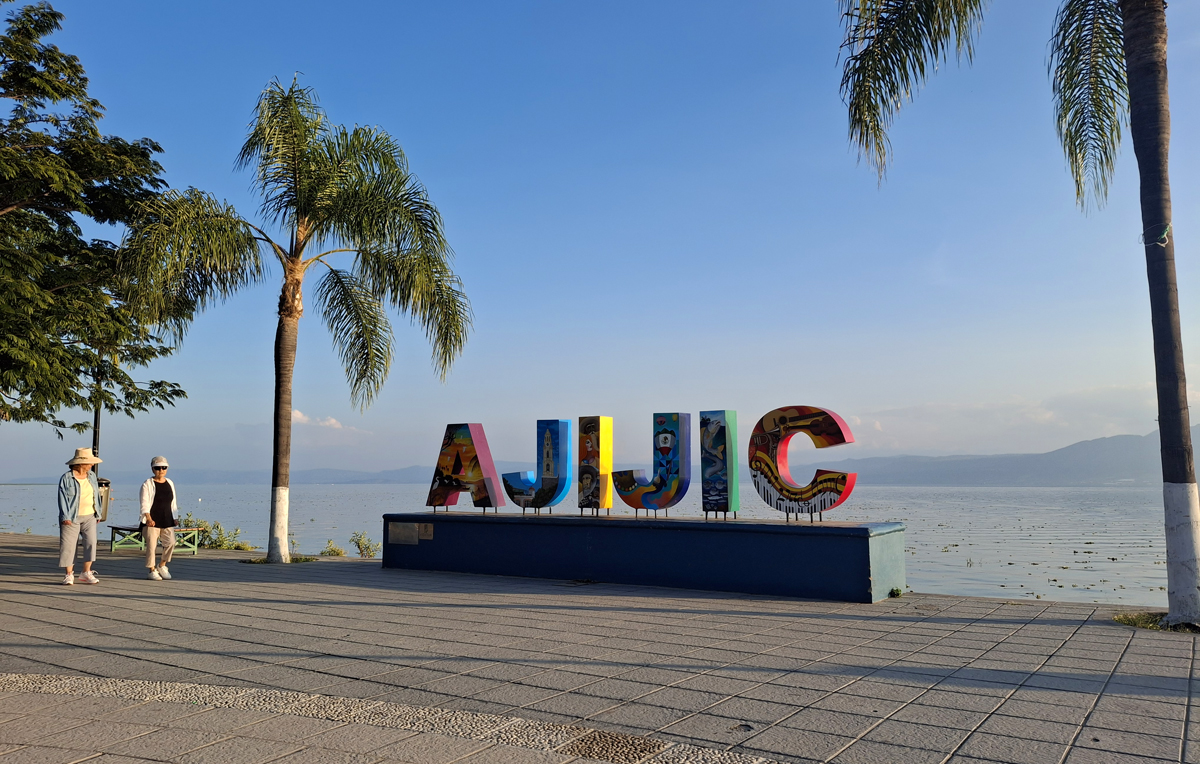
x: 920, y: 679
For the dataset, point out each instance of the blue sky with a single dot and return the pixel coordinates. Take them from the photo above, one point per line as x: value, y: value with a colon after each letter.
x: 654, y: 208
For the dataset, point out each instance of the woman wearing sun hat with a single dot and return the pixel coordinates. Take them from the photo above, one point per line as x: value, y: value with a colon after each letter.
x: 159, y: 514
x: 78, y: 503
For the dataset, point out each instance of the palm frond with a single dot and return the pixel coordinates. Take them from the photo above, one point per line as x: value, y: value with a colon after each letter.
x: 361, y: 332
x: 374, y: 206
x: 187, y: 248
x: 287, y: 127
x: 1091, y: 96
x: 892, y: 47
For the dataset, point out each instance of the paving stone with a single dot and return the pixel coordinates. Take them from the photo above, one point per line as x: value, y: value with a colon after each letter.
x: 873, y: 752
x: 286, y: 728
x: 952, y: 718
x: 429, y: 748
x: 1128, y: 742
x: 748, y: 710
x: 830, y: 722
x: 910, y: 735
x: 356, y: 738
x: 163, y: 744
x: 41, y: 755
x: 513, y: 694
x: 325, y: 756
x: 1014, y: 750
x: 95, y: 734
x: 781, y: 742
x: 26, y: 730
x: 504, y: 754
x: 1034, y: 729
x: 239, y: 750
x: 220, y: 719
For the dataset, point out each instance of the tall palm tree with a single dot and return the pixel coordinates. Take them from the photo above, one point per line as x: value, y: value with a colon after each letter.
x: 336, y: 193
x: 1108, y: 68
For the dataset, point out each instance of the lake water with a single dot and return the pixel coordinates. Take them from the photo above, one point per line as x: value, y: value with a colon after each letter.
x: 1075, y: 544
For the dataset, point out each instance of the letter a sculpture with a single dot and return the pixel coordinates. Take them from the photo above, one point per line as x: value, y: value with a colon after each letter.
x: 465, y: 464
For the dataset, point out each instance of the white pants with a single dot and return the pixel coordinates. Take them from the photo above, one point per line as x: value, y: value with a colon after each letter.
x: 68, y: 540
x: 153, y: 534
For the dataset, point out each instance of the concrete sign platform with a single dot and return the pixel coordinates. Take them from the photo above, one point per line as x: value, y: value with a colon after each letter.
x: 831, y: 561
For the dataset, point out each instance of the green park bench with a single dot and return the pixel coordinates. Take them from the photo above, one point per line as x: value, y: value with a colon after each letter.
x: 130, y: 537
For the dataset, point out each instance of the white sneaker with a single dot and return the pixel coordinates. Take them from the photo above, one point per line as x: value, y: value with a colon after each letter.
x: 162, y: 571
x: 69, y: 579
x: 89, y: 577
x: 153, y: 575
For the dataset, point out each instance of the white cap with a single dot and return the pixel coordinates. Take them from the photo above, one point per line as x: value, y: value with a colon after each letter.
x: 159, y: 461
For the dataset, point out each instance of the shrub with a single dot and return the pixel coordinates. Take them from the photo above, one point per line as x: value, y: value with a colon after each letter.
x: 366, y: 547
x: 332, y: 550
x: 214, y: 536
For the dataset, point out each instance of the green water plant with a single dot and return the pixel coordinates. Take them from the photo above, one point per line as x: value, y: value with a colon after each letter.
x: 333, y: 550
x: 366, y: 547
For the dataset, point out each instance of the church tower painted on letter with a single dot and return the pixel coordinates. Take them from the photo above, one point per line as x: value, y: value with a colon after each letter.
x: 547, y: 457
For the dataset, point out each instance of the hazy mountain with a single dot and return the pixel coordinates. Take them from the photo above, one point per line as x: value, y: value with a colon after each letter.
x: 1117, y: 460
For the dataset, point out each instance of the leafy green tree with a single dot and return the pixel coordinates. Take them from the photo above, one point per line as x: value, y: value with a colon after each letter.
x: 69, y: 328
x: 337, y: 194
x: 1108, y: 69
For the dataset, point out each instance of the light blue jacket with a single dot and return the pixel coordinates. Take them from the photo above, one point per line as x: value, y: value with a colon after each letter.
x: 68, y: 496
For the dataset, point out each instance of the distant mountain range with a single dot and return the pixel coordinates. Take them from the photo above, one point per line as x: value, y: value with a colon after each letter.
x: 1117, y: 460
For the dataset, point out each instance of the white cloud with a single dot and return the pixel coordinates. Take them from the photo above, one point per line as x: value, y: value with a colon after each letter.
x: 299, y: 417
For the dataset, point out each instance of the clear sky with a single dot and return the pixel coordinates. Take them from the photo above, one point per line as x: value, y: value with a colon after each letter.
x: 655, y: 208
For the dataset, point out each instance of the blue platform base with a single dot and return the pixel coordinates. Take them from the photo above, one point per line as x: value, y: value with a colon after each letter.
x: 831, y: 561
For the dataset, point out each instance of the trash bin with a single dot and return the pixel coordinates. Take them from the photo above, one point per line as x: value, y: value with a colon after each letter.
x: 105, y: 497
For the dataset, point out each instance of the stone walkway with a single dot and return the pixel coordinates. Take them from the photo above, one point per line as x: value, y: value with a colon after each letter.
x: 345, y: 661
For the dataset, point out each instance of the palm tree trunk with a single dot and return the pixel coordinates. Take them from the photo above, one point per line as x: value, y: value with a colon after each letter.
x: 290, y: 310
x: 1145, y: 43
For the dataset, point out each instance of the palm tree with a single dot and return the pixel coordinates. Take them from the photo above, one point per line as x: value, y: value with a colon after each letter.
x: 1108, y: 68
x: 336, y: 193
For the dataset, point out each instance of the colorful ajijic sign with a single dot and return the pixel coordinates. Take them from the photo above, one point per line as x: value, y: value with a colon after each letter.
x: 547, y: 485
x: 672, y: 467
x: 718, y: 462
x: 595, y: 463
x: 465, y: 464
x: 769, y: 467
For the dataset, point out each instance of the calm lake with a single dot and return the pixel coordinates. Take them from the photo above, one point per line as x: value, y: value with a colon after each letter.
x: 1075, y: 544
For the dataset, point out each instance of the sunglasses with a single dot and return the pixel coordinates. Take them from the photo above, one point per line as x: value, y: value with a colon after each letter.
x: 156, y: 469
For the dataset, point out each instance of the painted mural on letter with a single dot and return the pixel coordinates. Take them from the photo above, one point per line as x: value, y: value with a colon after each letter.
x: 769, y: 467
x: 549, y: 483
x: 465, y: 464
x: 595, y: 462
x: 718, y: 461
x: 672, y: 466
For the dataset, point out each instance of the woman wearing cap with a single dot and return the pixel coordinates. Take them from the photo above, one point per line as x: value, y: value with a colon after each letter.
x: 159, y: 512
x: 78, y: 503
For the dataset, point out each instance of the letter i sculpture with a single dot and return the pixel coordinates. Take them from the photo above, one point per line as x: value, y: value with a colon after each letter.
x: 719, y: 462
